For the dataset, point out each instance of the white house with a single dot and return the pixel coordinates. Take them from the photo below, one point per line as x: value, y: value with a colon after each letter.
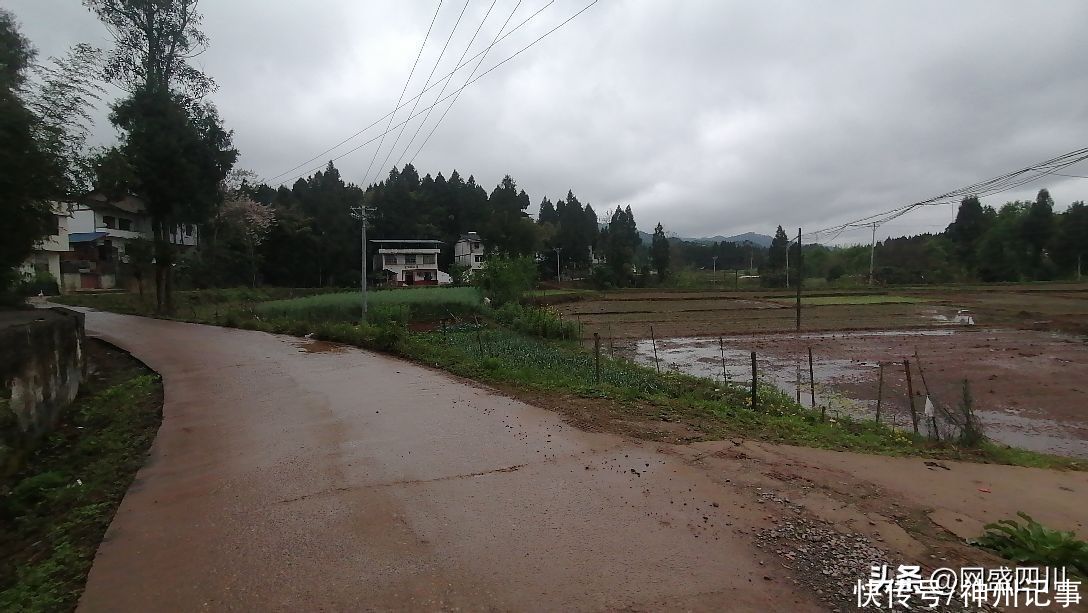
x: 469, y: 251
x: 99, y: 230
x: 409, y: 261
x: 46, y: 256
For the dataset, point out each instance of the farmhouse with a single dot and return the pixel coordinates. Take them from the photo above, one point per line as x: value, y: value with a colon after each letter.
x: 409, y: 262
x: 469, y: 251
x: 46, y: 256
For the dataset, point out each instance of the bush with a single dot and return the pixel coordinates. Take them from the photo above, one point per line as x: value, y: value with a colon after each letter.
x: 505, y: 280
x: 1035, y: 544
x: 535, y: 321
x: 41, y: 282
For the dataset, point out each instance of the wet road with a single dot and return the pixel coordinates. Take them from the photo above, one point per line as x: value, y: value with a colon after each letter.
x: 291, y: 475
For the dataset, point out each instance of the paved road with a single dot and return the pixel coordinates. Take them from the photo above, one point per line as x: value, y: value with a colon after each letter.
x: 291, y: 475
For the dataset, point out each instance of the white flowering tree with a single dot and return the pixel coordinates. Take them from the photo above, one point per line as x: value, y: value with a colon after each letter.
x: 249, y: 221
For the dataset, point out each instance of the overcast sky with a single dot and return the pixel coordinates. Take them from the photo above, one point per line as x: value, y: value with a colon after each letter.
x: 711, y: 117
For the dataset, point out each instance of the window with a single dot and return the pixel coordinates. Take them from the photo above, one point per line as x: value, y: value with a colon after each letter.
x: 109, y: 221
x: 54, y: 227
x: 479, y: 259
x: 427, y: 259
x: 124, y: 224
x: 475, y: 246
x: 410, y: 258
x: 188, y: 229
x: 390, y: 259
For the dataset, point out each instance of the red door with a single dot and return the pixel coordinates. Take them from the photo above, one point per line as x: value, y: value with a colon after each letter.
x: 88, y: 281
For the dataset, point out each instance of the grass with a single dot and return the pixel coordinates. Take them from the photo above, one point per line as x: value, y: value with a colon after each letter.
x: 854, y: 300
x: 421, y: 303
x: 1033, y: 544
x: 57, y: 508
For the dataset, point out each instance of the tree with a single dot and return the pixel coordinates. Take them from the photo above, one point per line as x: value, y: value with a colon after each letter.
x: 1037, y: 229
x: 42, y: 129
x: 250, y: 221
x: 621, y: 241
x: 1071, y: 238
x: 659, y: 252
x: 153, y: 43
x: 776, y: 257
x: 506, y: 279
x: 971, y: 224
x: 178, y: 153
x: 175, y: 146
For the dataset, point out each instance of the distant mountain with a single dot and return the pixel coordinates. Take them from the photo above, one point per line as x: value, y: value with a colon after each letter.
x: 760, y: 240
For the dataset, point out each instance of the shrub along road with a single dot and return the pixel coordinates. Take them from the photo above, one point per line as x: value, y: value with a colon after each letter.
x: 295, y: 474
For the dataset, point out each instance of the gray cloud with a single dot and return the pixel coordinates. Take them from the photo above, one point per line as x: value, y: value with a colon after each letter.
x: 711, y: 117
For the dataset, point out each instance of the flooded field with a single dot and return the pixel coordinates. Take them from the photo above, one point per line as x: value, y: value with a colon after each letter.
x: 1030, y: 388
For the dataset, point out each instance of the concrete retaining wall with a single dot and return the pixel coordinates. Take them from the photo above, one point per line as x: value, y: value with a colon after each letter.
x: 41, y: 367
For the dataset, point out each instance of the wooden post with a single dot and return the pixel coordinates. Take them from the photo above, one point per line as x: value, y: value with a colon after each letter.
x: 797, y: 382
x: 653, y: 341
x: 597, y: 355
x: 811, y: 379
x: 736, y: 280
x: 721, y: 347
x: 479, y: 337
x: 922, y: 372
x: 755, y: 396
x: 880, y: 392
x: 910, y: 396
x: 611, y: 347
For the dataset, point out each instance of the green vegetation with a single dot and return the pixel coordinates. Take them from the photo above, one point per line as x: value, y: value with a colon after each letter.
x: 505, y: 280
x: 55, y: 511
x: 1033, y: 544
x: 422, y: 304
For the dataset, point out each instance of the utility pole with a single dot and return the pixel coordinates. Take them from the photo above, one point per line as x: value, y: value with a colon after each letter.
x: 872, y: 256
x: 715, y: 258
x: 800, y: 279
x: 558, y: 275
x: 787, y: 264
x: 362, y: 280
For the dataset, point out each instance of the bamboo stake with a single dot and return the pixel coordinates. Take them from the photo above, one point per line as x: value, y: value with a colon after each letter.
x: 910, y: 396
x: 880, y: 392
x: 653, y: 340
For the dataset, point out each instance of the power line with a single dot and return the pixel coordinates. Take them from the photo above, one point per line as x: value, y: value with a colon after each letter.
x: 425, y: 84
x: 989, y: 187
x: 406, y: 102
x: 454, y: 93
x: 446, y: 82
x: 470, y: 75
x: 403, y: 89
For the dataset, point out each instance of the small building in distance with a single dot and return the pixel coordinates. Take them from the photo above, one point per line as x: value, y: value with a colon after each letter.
x: 46, y: 256
x: 100, y: 229
x: 469, y: 251
x: 409, y: 262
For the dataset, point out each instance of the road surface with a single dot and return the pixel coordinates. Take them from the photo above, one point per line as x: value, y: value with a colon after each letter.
x: 295, y: 475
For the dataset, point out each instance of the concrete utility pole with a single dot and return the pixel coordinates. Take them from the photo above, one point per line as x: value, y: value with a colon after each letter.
x: 787, y: 264
x: 362, y: 280
x: 800, y: 280
x: 715, y: 258
x: 558, y: 275
x: 872, y: 256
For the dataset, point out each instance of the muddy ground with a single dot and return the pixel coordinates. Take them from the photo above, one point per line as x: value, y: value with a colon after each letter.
x: 1023, y: 354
